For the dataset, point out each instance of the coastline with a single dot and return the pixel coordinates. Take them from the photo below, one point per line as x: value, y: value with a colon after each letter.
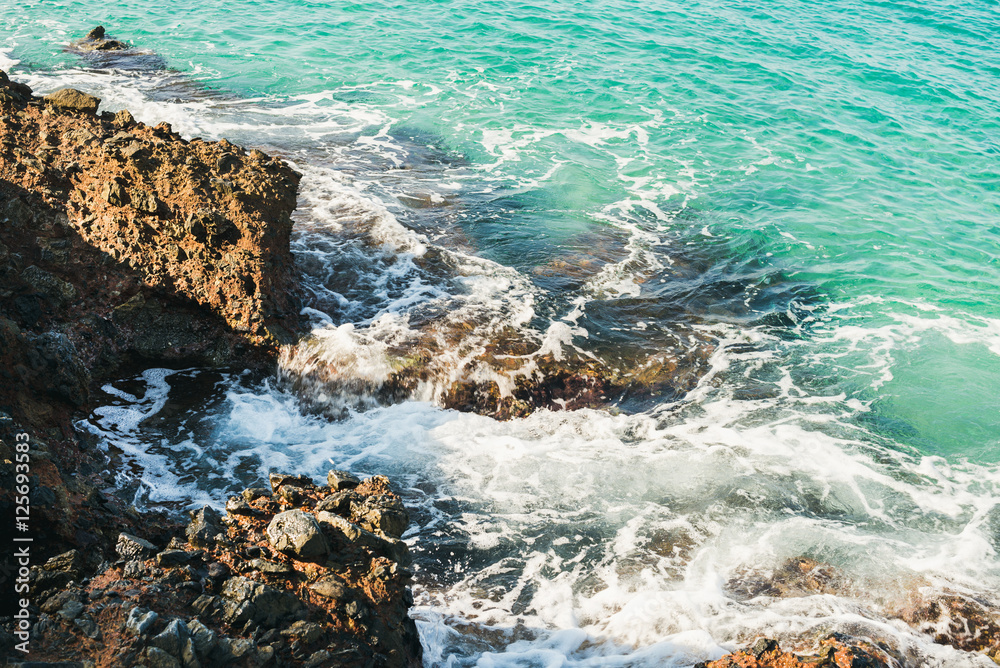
x: 69, y: 363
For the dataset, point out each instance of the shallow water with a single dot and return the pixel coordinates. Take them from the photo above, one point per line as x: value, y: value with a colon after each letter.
x: 809, y: 189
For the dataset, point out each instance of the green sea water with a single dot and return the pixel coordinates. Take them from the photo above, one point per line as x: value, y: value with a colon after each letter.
x: 854, y: 145
x: 815, y: 184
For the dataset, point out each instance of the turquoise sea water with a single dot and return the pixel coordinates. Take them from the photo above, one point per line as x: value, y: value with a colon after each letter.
x: 814, y: 185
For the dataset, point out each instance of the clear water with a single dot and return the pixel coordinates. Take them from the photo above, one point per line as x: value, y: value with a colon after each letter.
x: 812, y: 187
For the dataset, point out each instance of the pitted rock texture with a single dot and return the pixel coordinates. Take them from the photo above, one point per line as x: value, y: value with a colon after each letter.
x: 205, y: 221
x: 834, y: 652
x: 232, y: 598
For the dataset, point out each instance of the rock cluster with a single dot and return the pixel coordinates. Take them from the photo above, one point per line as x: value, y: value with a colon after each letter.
x: 834, y: 652
x: 294, y: 575
x: 964, y: 621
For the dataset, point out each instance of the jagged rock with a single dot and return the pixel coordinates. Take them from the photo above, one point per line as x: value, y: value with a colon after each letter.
x: 68, y: 562
x: 339, y: 502
x: 330, y: 587
x: 344, y: 533
x: 834, y: 652
x: 133, y: 547
x: 205, y: 526
x: 203, y: 637
x: 70, y: 610
x: 253, y: 493
x: 157, y: 658
x: 170, y: 558
x: 238, y: 506
x: 73, y: 100
x: 88, y: 627
x: 271, y: 567
x: 382, y: 514
x: 306, y: 632
x: 246, y: 600
x: 278, y: 480
x: 317, y: 659
x: 171, y: 639
x: 140, y: 620
x: 297, y: 532
x: 340, y: 480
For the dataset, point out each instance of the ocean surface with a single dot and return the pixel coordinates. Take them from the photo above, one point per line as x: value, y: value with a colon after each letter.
x: 807, y: 192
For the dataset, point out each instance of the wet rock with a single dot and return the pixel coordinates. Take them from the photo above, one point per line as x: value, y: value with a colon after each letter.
x: 298, y: 533
x: 965, y: 622
x: 341, y: 480
x: 73, y: 100
x: 834, y: 652
x: 205, y: 527
x: 133, y: 547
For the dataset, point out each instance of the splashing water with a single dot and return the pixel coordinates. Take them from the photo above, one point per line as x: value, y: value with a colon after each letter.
x: 801, y: 198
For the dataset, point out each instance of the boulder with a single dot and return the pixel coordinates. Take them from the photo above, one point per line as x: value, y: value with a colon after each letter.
x: 382, y: 514
x: 140, y: 620
x: 297, y: 533
x: 172, y: 639
x: 204, y: 527
x: 134, y: 548
x: 339, y: 480
x: 245, y: 600
x: 73, y: 100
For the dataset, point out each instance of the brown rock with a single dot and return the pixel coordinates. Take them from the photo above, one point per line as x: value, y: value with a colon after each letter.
x: 73, y: 100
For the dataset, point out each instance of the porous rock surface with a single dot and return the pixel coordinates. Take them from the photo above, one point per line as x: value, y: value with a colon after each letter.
x: 238, y: 597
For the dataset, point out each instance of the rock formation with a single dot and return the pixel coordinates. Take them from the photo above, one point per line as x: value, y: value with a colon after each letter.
x: 294, y: 575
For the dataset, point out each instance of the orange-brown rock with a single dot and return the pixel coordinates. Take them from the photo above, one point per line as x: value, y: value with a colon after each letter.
x: 832, y: 653
x: 122, y: 244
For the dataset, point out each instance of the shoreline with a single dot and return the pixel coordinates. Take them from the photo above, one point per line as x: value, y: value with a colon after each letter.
x: 48, y: 411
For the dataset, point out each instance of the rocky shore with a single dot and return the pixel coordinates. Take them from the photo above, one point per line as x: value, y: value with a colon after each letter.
x: 125, y: 246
